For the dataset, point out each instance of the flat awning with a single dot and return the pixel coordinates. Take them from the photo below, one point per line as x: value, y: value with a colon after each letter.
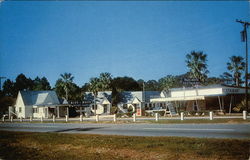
x: 188, y: 98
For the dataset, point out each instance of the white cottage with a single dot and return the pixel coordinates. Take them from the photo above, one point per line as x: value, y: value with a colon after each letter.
x: 101, y: 104
x: 37, y: 104
x: 139, y: 101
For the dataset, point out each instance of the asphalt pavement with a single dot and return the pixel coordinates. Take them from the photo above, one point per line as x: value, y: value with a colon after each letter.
x: 137, y: 129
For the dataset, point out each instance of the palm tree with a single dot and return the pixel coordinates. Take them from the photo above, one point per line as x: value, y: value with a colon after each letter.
x: 95, y: 86
x: 167, y: 82
x: 236, y: 66
x: 227, y: 78
x: 197, y: 63
x: 66, y: 82
x: 105, y: 81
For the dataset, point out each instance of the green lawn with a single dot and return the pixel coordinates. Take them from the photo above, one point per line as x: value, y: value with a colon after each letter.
x: 21, y: 145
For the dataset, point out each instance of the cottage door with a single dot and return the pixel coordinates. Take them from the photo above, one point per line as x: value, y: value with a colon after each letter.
x: 46, y: 112
x: 105, y: 107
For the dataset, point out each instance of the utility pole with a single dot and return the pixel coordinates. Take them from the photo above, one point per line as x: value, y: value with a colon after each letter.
x: 1, y: 82
x: 244, y: 39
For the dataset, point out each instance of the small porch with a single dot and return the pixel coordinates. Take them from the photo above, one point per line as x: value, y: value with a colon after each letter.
x: 49, y: 110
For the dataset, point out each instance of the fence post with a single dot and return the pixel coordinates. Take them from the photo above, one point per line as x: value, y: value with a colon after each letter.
x: 3, y: 118
x: 134, y: 117
x: 244, y: 115
x: 11, y: 118
x: 211, y: 115
x: 182, y: 116
x: 66, y: 118
x: 30, y: 119
x: 21, y: 119
x: 97, y: 118
x: 81, y: 118
x: 54, y: 118
x: 114, y: 117
x: 42, y: 119
x: 156, y: 117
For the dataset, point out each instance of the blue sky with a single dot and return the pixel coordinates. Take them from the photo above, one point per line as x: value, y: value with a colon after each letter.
x: 144, y: 39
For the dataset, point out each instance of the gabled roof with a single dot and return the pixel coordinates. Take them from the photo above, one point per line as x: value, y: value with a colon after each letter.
x: 39, y: 98
x: 129, y: 96
x: 103, y: 95
x: 63, y: 101
x: 103, y: 100
x: 126, y: 96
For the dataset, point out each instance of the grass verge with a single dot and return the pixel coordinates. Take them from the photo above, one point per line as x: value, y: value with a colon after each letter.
x: 22, y: 145
x: 200, y: 121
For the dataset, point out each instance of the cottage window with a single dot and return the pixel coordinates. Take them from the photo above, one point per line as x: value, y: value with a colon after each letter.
x: 94, y: 107
x: 20, y: 109
x: 135, y: 105
x: 150, y: 105
x: 34, y: 110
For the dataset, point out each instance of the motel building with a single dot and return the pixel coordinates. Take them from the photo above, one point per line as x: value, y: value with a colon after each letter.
x: 214, y: 98
x: 45, y: 104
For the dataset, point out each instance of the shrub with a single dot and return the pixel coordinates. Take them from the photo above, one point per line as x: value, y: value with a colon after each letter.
x: 113, y: 110
x: 148, y: 114
x: 192, y: 113
x: 129, y: 114
x: 161, y: 113
x: 241, y: 106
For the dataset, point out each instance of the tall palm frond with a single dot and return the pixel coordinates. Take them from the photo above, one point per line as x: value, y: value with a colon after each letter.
x: 236, y: 66
x: 66, y: 82
x: 196, y: 62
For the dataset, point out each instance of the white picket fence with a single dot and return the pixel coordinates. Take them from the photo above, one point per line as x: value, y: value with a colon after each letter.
x: 114, y: 118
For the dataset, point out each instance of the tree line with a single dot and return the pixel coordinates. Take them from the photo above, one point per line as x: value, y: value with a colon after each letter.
x: 196, y: 62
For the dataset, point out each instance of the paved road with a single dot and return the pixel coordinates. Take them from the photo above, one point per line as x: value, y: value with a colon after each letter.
x: 182, y: 130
